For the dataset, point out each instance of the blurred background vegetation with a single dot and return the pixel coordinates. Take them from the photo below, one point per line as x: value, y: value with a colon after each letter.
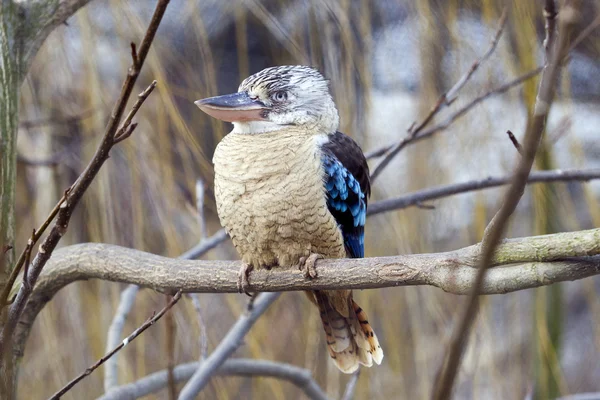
x: 388, y: 61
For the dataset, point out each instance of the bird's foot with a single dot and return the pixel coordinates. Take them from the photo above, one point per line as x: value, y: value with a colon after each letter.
x: 307, y: 265
x: 243, y: 276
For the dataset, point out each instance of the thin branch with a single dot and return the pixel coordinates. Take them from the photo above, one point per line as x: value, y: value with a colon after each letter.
x: 550, y: 14
x: 170, y: 345
x: 203, y: 334
x: 82, y: 183
x: 152, y: 383
x: 449, y: 369
x: 351, y: 386
x: 125, y: 126
x: 35, y: 237
x: 127, y: 299
x: 452, y: 94
x: 582, y: 396
x: 205, y: 245
x: 28, y: 250
x: 149, y: 322
x: 499, y: 90
x: 200, y: 191
x: 444, y: 100
x: 586, y: 32
x: 426, y: 133
x: 418, y: 197
x: 514, y: 141
x: 228, y: 345
x: 126, y: 133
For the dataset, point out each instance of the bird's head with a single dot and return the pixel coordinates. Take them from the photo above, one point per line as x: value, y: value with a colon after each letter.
x: 275, y: 98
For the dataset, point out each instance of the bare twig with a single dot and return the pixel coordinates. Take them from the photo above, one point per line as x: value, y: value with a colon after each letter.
x: 351, y: 386
x: 499, y: 90
x: 152, y: 383
x: 494, y: 231
x: 444, y: 100
x: 149, y: 322
x: 452, y: 94
x: 125, y: 127
x: 111, y: 375
x: 28, y: 250
x: 585, y: 32
x: 170, y: 345
x: 550, y: 13
x: 80, y: 186
x: 126, y: 133
x: 582, y: 396
x: 203, y: 335
x: 426, y: 133
x: 514, y: 141
x: 134, y: 56
x: 418, y: 197
x: 205, y: 245
x: 35, y: 237
x: 228, y: 345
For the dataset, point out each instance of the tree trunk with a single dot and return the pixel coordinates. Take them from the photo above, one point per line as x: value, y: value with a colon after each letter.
x: 24, y: 25
x: 10, y: 78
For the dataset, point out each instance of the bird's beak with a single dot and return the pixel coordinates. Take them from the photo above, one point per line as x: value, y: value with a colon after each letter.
x: 236, y: 107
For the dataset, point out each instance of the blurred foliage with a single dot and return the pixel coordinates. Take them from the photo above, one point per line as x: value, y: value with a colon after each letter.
x: 144, y: 197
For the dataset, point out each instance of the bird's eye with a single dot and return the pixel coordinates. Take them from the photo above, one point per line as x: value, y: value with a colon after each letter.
x: 280, y: 96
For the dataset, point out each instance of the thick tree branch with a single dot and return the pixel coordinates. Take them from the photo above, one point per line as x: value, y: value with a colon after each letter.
x: 152, y: 383
x: 434, y: 193
x: 526, y: 263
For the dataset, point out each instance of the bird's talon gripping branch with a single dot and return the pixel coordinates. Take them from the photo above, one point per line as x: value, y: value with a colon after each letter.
x: 307, y: 265
x: 243, y: 276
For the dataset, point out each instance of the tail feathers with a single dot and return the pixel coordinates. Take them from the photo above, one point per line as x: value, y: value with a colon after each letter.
x: 350, y: 340
x: 367, y: 333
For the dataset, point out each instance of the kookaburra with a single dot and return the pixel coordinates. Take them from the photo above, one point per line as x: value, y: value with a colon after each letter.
x: 291, y: 189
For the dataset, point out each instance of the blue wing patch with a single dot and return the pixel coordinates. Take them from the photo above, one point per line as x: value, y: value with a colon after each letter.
x: 346, y: 202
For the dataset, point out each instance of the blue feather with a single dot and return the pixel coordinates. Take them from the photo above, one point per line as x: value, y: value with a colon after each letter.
x: 339, y: 184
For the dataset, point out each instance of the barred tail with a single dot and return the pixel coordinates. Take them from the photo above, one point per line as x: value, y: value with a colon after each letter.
x: 350, y: 339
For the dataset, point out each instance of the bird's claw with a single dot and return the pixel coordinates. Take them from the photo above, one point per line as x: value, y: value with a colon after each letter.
x: 307, y: 265
x: 243, y: 276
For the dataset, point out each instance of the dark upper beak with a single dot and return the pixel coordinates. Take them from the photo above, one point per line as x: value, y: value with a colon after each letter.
x: 236, y: 107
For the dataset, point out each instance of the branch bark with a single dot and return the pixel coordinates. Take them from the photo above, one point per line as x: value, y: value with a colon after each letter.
x: 521, y: 264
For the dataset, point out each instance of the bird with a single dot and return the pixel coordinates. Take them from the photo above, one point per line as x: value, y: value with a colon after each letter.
x: 291, y: 189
